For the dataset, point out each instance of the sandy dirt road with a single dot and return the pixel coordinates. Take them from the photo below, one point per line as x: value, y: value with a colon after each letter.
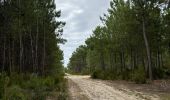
x: 85, y: 88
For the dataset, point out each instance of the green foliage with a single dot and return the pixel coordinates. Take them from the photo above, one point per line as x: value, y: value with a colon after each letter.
x: 134, y: 35
x: 85, y: 71
x: 30, y: 37
x: 139, y: 75
x: 97, y: 74
x: 31, y: 88
x: 30, y: 56
x: 159, y: 73
x: 15, y: 93
x: 77, y: 62
x: 4, y: 81
x: 100, y: 74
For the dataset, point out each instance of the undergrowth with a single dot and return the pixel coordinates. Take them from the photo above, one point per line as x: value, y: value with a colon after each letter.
x: 31, y: 87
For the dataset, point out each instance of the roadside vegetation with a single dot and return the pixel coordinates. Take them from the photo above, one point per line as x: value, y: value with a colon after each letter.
x: 31, y: 65
x: 133, y: 43
x: 32, y: 87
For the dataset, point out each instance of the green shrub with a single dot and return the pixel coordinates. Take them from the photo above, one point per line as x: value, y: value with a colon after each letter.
x: 49, y: 81
x: 110, y: 75
x: 63, y: 94
x: 41, y: 95
x: 34, y: 83
x: 159, y: 73
x: 139, y: 76
x: 105, y: 75
x: 126, y: 75
x: 85, y: 71
x: 16, y: 79
x: 30, y: 87
x: 14, y: 93
x: 4, y: 82
x: 97, y: 74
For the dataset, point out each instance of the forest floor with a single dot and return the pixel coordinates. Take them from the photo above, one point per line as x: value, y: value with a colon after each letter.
x: 85, y: 88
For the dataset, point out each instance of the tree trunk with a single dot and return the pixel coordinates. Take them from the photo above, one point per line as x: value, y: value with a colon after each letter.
x: 20, y: 39
x: 147, y: 50
x: 44, y: 53
x: 9, y: 56
x: 121, y: 62
x: 4, y: 56
x: 123, y: 59
x: 131, y: 59
x: 115, y: 62
x: 21, y: 53
x: 102, y: 61
x: 159, y: 59
x: 134, y: 60
x: 111, y: 60
x: 13, y: 54
x: 37, y: 36
x: 32, y: 52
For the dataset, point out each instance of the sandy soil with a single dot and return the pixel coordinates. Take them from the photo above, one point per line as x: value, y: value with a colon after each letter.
x: 75, y: 92
x: 85, y: 88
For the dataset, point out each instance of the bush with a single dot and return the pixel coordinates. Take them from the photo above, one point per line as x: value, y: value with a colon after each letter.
x: 159, y: 73
x: 15, y: 93
x: 63, y: 94
x: 30, y: 87
x: 105, y: 75
x: 4, y: 81
x: 98, y: 74
x: 139, y: 76
x: 110, y: 75
x: 16, y: 79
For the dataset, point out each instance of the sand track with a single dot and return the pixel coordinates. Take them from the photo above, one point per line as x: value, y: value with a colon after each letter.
x: 85, y: 88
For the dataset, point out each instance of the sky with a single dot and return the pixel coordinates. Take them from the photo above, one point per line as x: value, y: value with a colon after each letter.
x: 81, y: 17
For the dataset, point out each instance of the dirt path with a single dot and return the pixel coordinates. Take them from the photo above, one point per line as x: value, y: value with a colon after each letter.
x: 75, y: 92
x: 84, y: 88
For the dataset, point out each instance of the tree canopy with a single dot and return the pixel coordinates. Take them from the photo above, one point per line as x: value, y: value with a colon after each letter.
x: 29, y: 36
x: 132, y: 43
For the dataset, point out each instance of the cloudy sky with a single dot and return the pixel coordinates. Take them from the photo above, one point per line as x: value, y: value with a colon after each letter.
x: 81, y: 17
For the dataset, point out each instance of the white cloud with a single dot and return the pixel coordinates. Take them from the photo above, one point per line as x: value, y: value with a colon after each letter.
x: 81, y: 17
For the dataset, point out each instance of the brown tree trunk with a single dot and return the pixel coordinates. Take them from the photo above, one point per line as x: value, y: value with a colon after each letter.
x: 115, y: 62
x: 121, y: 62
x: 44, y: 53
x: 111, y: 60
x: 9, y: 56
x: 159, y: 59
x: 134, y: 60
x: 13, y: 55
x: 32, y: 52
x: 37, y: 37
x: 102, y: 61
x: 147, y: 50
x: 131, y: 58
x: 123, y: 59
x: 4, y: 56
x: 20, y: 39
x: 21, y: 53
